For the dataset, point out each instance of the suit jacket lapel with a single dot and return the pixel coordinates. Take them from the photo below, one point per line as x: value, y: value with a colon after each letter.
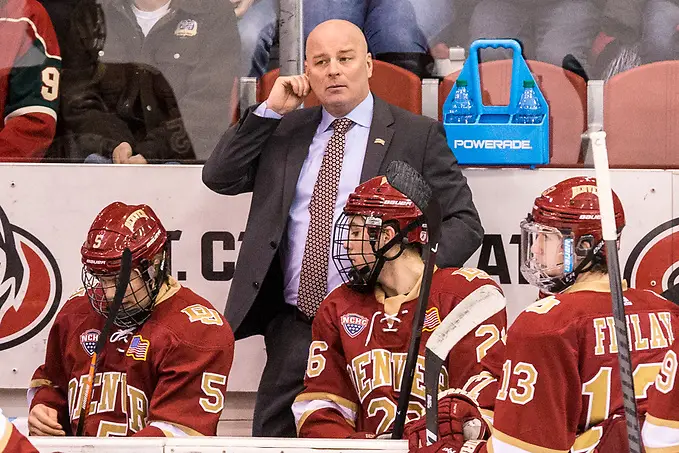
x: 298, y: 149
x: 379, y: 138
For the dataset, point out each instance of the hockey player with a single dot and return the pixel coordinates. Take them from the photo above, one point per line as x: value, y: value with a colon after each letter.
x: 30, y: 65
x: 661, y: 427
x: 162, y: 373
x: 11, y: 440
x: 560, y: 387
x: 362, y: 330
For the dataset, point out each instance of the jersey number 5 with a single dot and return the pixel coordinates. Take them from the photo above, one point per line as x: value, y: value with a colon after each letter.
x: 211, y: 383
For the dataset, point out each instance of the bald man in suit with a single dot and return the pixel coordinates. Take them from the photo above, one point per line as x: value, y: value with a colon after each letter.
x: 279, y: 152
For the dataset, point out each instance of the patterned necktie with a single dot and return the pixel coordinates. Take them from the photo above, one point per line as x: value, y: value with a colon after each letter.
x: 313, y: 277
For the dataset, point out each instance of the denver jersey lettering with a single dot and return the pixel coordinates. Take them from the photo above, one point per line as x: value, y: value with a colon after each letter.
x: 560, y: 378
x: 359, y: 349
x: 168, y: 377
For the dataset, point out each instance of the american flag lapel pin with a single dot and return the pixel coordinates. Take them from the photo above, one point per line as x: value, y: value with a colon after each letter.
x: 379, y: 141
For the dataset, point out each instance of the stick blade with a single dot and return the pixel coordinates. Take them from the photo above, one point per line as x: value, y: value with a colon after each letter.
x: 479, y: 305
x: 404, y: 178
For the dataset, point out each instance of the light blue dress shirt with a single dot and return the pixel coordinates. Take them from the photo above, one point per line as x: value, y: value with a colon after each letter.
x: 292, y: 248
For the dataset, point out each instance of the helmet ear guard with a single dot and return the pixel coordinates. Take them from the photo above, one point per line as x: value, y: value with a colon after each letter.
x: 571, y: 208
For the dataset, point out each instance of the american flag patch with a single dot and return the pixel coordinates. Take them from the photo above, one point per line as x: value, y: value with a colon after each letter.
x: 431, y: 319
x: 138, y: 348
x: 353, y: 324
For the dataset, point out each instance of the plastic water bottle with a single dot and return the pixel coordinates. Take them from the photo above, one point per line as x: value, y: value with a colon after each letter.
x: 462, y: 108
x: 530, y: 110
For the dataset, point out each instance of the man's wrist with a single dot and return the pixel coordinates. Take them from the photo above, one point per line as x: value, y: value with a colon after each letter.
x: 264, y: 111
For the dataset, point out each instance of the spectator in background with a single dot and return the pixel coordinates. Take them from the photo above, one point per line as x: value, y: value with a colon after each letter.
x: 30, y: 65
x: 637, y: 32
x: 149, y: 80
x: 60, y: 14
x: 618, y: 47
x: 659, y: 32
x: 398, y: 31
x: 390, y: 26
x: 549, y: 29
x: 257, y: 25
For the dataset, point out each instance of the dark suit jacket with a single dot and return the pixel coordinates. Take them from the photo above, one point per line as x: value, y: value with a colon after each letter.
x: 265, y: 156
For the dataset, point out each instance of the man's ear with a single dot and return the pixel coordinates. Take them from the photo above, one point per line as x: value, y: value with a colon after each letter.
x: 369, y: 63
x: 389, y: 233
x: 306, y: 68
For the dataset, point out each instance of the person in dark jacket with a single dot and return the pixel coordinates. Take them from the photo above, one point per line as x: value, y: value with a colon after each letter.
x: 643, y: 29
x: 549, y: 29
x: 148, y: 80
x: 659, y: 32
x: 398, y: 31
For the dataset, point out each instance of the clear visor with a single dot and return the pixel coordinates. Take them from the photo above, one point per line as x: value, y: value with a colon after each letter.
x: 546, y: 254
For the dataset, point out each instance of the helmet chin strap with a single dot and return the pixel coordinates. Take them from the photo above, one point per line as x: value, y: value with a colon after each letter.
x: 364, y: 279
x: 585, y: 265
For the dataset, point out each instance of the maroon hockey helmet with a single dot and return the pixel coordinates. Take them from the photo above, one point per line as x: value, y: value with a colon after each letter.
x: 116, y: 227
x: 377, y: 198
x: 567, y: 215
x: 373, y: 206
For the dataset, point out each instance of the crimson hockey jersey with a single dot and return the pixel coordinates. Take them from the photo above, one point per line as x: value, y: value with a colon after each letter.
x: 359, y: 349
x: 30, y: 65
x: 166, y: 378
x: 661, y: 428
x: 561, y: 376
x: 11, y: 440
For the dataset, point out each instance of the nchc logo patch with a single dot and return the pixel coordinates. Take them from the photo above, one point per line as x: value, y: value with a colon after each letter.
x: 30, y: 284
x: 88, y: 340
x: 353, y: 324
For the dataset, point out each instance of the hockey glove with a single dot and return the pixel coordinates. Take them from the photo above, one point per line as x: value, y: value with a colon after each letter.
x: 609, y: 436
x: 459, y: 420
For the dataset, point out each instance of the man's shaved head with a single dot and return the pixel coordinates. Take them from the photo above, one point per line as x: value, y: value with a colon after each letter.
x: 338, y: 65
x: 337, y: 28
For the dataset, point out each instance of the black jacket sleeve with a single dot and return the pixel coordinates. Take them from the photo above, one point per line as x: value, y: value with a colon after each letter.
x: 232, y: 167
x: 461, y: 229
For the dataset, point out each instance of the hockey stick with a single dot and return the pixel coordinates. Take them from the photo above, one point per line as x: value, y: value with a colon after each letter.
x: 409, y: 182
x: 121, y: 289
x: 603, y: 182
x: 478, y: 306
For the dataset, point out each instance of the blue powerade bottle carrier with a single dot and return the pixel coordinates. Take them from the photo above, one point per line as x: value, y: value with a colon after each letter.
x: 492, y: 137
